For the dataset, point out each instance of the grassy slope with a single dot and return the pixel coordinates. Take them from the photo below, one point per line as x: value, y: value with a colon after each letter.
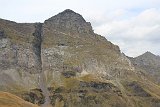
x: 10, y: 100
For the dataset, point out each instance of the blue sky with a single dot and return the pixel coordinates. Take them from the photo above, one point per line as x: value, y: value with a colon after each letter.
x: 134, y: 25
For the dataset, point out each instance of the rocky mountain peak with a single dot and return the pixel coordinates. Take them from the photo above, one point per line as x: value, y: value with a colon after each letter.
x: 148, y: 58
x: 69, y: 20
x: 148, y: 54
x: 69, y: 11
x: 149, y: 64
x: 67, y: 15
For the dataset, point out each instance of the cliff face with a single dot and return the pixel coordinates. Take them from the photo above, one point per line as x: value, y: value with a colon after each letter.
x: 19, y: 55
x: 62, y: 61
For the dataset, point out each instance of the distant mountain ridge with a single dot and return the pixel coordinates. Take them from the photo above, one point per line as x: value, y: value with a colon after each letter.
x: 148, y: 62
x: 149, y: 58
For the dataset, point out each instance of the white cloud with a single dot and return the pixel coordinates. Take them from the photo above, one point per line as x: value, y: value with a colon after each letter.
x: 136, y: 34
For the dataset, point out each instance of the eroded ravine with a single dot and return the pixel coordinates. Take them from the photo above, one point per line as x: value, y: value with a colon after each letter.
x: 37, y: 49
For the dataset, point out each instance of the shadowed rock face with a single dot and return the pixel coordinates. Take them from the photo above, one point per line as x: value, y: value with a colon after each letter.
x: 2, y: 35
x: 62, y: 61
x: 137, y: 89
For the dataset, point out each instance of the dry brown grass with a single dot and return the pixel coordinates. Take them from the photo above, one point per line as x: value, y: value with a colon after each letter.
x: 10, y: 100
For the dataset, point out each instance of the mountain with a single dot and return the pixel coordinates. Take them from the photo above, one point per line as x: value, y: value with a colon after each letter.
x: 149, y: 64
x: 62, y: 62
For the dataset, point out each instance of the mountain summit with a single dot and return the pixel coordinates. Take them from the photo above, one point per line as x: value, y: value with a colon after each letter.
x: 69, y: 20
x: 68, y: 14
